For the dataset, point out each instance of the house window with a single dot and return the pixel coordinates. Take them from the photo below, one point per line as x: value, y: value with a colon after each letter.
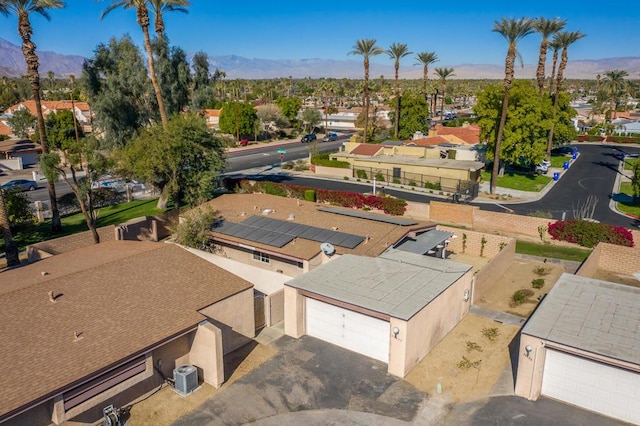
x: 396, y: 172
x: 261, y: 257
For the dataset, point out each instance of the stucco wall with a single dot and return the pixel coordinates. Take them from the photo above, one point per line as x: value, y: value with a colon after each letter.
x: 235, y: 317
x: 590, y: 266
x: 421, y: 333
x: 246, y: 256
x: 206, y: 353
x: 530, y: 368
x: 332, y: 171
x: 275, y: 311
x: 294, y: 313
x: 456, y: 174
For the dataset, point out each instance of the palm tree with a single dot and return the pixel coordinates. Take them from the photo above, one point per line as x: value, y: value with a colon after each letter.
x: 10, y: 247
x: 396, y: 52
x: 545, y: 27
x: 23, y: 8
x: 159, y: 7
x: 614, y: 83
x: 142, y: 17
x: 443, y: 73
x: 425, y: 59
x: 513, y: 30
x: 555, y: 46
x: 564, y: 39
x: 366, y: 48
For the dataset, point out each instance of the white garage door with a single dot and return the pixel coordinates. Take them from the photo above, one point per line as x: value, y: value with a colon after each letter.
x: 357, y: 332
x: 591, y: 385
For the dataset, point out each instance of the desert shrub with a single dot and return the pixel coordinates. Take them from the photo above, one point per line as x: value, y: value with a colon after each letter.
x: 465, y: 364
x: 588, y: 234
x: 473, y: 346
x: 193, y: 230
x: 310, y: 195
x: 380, y: 177
x: 17, y: 207
x: 300, y: 166
x: 433, y: 185
x: 540, y: 271
x: 288, y: 165
x: 361, y: 174
x: 413, y: 183
x: 396, y: 181
x: 491, y: 333
x: 537, y: 283
x: 520, y: 296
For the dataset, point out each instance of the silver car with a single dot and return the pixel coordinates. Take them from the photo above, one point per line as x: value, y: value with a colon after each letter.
x: 22, y: 184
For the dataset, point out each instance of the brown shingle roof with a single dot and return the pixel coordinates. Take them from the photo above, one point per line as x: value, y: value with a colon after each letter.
x: 122, y: 296
x: 381, y: 235
x: 366, y: 149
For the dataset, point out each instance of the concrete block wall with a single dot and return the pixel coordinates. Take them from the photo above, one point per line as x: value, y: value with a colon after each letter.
x: 490, y: 272
x: 493, y: 244
x: 614, y: 258
x: 509, y: 223
x: 591, y: 265
x: 452, y: 213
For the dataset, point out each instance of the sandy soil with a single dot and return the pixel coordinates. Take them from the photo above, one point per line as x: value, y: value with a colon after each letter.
x: 166, y: 406
x: 441, y: 364
x: 516, y: 277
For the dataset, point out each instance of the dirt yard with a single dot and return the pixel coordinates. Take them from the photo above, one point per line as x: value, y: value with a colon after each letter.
x: 519, y: 276
x: 466, y: 363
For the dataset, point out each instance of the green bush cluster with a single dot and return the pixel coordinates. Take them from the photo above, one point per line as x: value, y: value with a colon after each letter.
x: 433, y: 185
x: 361, y: 174
x: 537, y: 283
x: 324, y: 160
x: 310, y: 195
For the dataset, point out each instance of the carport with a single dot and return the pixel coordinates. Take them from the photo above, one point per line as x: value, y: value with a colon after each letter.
x: 393, y: 308
x: 582, y: 346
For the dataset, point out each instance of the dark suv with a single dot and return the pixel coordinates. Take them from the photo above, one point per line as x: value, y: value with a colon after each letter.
x: 308, y: 138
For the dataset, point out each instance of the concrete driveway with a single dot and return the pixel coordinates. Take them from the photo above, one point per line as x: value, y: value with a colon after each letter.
x: 308, y: 375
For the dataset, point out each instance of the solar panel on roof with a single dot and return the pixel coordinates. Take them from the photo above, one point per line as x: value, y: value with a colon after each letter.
x: 370, y: 216
x: 278, y: 233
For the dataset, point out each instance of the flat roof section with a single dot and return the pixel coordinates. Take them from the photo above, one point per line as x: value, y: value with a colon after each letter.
x: 424, y: 242
x: 591, y: 315
x: 396, y: 283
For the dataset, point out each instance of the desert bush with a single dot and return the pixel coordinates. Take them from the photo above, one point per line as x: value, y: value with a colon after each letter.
x: 537, y: 283
x: 310, y: 195
x: 465, y: 364
x: 491, y: 333
x: 361, y: 174
x: 473, y: 346
x: 520, y: 296
x: 540, y: 271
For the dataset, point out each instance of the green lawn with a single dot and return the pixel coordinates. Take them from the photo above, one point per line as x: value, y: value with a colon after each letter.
x: 112, y: 215
x: 629, y: 206
x: 558, y: 160
x: 555, y: 252
x: 629, y: 163
x: 521, y: 182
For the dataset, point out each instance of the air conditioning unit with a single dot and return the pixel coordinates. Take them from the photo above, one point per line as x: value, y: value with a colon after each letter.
x: 185, y: 378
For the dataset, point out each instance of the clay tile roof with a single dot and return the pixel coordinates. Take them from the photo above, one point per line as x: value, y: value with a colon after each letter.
x: 212, y: 112
x: 469, y: 134
x: 432, y: 141
x: 366, y: 149
x: 129, y: 297
x: 5, y: 130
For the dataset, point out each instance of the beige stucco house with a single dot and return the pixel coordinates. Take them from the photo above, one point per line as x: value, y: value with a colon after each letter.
x: 582, y: 346
x: 109, y: 323
x: 395, y: 307
x: 268, y: 240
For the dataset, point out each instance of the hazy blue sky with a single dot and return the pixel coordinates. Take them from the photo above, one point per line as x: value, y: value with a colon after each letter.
x: 458, y: 31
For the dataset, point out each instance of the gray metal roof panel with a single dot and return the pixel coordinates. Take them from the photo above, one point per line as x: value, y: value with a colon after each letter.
x: 399, y: 285
x: 591, y: 315
x: 424, y: 242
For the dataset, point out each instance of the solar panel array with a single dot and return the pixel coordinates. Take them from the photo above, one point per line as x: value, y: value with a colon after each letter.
x: 278, y: 233
x: 369, y: 216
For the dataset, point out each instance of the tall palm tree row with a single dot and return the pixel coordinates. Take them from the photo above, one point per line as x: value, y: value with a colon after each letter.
x: 513, y: 30
x: 22, y: 9
x: 546, y: 28
x: 563, y: 39
x: 614, y: 83
x: 425, y: 59
x: 142, y: 18
x: 160, y: 7
x: 397, y: 51
x: 366, y: 48
x: 443, y: 73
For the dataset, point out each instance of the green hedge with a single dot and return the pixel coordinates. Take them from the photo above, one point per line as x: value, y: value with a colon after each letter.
x: 324, y: 160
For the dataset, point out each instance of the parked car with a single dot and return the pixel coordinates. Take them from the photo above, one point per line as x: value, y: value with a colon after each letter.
x: 308, y: 138
x: 243, y: 142
x: 22, y: 184
x: 561, y: 150
x: 330, y: 137
x: 543, y: 167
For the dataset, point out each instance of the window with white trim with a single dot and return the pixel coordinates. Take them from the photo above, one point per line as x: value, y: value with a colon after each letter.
x: 260, y: 257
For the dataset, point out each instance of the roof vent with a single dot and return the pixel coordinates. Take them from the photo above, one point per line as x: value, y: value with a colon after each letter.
x: 44, y: 273
x: 52, y: 296
x: 328, y: 249
x: 291, y: 216
x: 267, y: 211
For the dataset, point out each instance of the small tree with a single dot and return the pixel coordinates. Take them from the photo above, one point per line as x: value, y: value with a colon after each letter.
x: 193, y: 230
x: 311, y: 118
x: 635, y: 181
x: 238, y: 118
x: 21, y: 123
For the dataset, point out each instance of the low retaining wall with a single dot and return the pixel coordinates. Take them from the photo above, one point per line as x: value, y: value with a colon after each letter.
x: 61, y: 245
x: 612, y: 258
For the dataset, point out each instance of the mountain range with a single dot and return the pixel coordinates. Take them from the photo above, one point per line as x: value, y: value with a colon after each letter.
x: 12, y: 65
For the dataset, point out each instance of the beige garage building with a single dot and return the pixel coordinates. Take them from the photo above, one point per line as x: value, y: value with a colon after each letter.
x: 394, y: 308
x: 582, y: 346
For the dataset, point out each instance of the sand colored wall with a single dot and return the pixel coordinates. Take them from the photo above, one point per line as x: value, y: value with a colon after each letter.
x: 235, y: 317
x: 530, y: 368
x: 624, y: 260
x: 459, y: 214
x: 422, y: 332
x: 456, y: 174
x: 332, y: 171
x: 246, y: 256
x: 206, y: 353
x: 294, y: 313
x: 275, y: 312
x: 591, y: 265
